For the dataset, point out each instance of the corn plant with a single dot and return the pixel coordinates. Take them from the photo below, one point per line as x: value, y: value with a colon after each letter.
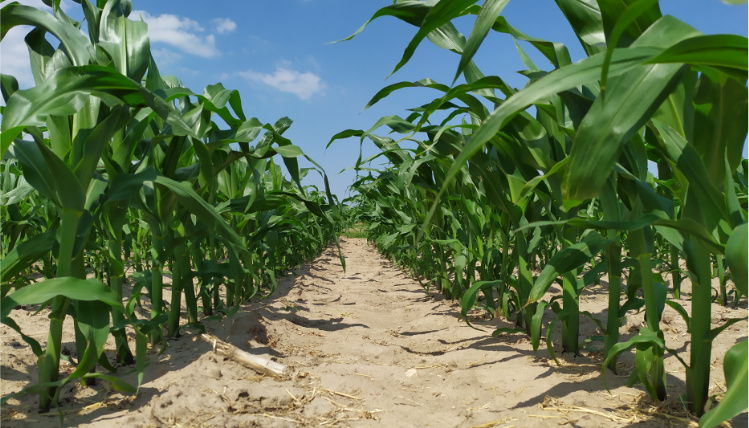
x: 571, y: 183
x: 122, y: 161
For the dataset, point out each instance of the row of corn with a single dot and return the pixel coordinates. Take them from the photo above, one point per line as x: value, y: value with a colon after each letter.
x: 626, y: 165
x: 115, y: 178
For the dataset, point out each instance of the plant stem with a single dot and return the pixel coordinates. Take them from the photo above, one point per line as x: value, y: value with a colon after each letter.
x: 49, y: 363
x: 653, y: 309
x: 675, y: 272
x: 698, y: 372
x: 571, y: 304
x: 613, y: 261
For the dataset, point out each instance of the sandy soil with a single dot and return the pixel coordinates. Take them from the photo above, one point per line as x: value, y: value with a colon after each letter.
x: 370, y: 348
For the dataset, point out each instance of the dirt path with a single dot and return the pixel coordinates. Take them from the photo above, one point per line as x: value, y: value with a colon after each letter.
x: 373, y: 349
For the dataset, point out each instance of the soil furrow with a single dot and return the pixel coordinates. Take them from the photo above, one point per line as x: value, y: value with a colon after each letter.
x: 369, y: 347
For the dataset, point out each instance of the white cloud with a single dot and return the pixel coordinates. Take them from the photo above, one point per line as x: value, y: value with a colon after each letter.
x: 180, y: 32
x: 224, y: 25
x: 14, y: 57
x: 65, y: 5
x: 303, y: 85
x: 165, y: 57
x: 35, y: 3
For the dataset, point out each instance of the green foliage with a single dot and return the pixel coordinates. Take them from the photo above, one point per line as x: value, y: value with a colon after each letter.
x: 735, y: 399
x: 494, y: 202
x: 107, y: 164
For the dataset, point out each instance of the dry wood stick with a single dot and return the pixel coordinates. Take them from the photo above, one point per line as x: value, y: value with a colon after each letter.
x: 259, y: 364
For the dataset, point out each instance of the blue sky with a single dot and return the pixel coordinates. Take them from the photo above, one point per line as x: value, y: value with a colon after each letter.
x: 276, y: 53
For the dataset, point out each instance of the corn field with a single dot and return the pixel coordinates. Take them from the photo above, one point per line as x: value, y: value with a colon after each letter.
x: 625, y: 168
x: 109, y: 167
x: 493, y: 194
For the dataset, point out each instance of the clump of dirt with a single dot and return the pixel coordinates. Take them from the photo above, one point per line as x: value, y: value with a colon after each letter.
x: 368, y: 347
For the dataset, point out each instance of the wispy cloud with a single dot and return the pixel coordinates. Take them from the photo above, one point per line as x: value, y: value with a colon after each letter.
x: 179, y: 32
x: 303, y: 85
x: 224, y: 25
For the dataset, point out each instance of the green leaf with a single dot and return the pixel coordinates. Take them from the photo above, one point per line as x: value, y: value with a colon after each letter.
x: 8, y: 85
x: 412, y: 12
x: 65, y: 92
x: 49, y: 175
x: 556, y: 53
x: 646, y: 338
x: 680, y: 310
x: 141, y: 348
x: 440, y: 14
x: 720, y: 126
x: 387, y: 90
x: 26, y: 253
x: 735, y: 399
x: 289, y: 151
x: 585, y: 18
x: 737, y: 257
x: 125, y: 186
x: 93, y: 320
x: 484, y: 22
x: 536, y: 322
x: 686, y: 158
x: 468, y: 300
x: 126, y: 41
x: 77, y: 46
x: 565, y: 78
x: 646, y: 357
x: 630, y: 101
x: 199, y: 207
x: 89, y: 146
x: 717, y: 50
x: 625, y: 22
x: 89, y: 290
x: 567, y: 259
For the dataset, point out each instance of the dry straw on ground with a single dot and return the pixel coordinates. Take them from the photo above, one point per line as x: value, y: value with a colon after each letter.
x: 369, y: 348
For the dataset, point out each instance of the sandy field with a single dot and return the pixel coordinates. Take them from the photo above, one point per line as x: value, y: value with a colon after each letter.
x: 367, y: 348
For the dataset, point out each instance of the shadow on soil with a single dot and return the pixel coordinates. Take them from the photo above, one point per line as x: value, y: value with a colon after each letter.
x: 247, y: 325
